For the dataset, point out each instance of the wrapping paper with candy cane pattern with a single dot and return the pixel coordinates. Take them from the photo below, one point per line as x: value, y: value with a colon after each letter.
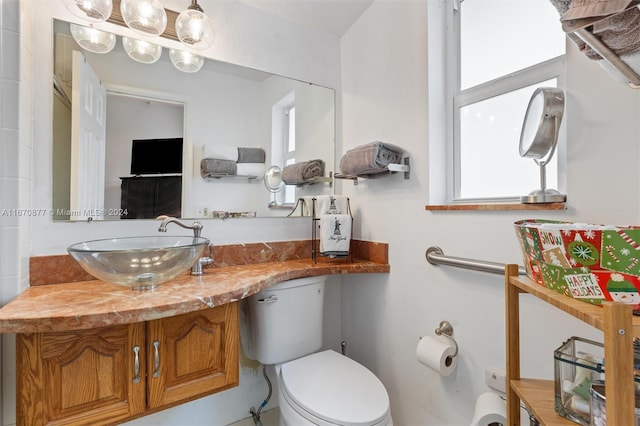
x: 593, y: 263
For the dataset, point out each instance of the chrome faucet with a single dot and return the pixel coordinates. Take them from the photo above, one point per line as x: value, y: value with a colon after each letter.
x: 196, y: 226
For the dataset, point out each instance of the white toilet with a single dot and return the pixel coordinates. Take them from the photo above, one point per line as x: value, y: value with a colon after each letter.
x: 315, y: 388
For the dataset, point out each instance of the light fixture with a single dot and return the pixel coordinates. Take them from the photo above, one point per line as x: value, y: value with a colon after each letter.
x: 539, y: 138
x: 194, y: 28
x: 141, y: 51
x: 144, y: 16
x: 92, y: 39
x: 91, y: 10
x: 186, y: 61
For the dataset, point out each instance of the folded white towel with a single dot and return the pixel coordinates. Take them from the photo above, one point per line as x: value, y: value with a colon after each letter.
x: 332, y: 204
x: 335, y: 234
x: 251, y: 169
x: 221, y: 152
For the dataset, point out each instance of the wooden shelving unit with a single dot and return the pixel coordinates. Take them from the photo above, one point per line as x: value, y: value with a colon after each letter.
x: 615, y: 320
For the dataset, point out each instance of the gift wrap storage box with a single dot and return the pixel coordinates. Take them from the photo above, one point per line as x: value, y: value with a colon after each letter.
x: 592, y: 263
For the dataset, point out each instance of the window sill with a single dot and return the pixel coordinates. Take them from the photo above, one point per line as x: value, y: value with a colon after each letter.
x: 497, y: 206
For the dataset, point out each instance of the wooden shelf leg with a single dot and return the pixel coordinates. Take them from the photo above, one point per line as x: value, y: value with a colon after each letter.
x: 512, y: 320
x: 618, y: 360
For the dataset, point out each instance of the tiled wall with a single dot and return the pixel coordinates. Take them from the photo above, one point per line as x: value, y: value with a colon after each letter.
x: 16, y: 116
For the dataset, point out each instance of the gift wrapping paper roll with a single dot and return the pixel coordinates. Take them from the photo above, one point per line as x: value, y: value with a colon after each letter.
x: 490, y: 410
x: 437, y: 354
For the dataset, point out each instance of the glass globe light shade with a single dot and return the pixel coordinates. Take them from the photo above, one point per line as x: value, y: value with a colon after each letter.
x: 141, y: 51
x: 147, y: 17
x: 194, y: 28
x: 91, y: 10
x: 186, y: 61
x: 92, y: 39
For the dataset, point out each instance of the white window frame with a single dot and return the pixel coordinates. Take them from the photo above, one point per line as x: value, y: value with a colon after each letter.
x: 287, y: 197
x: 550, y: 69
x: 286, y: 116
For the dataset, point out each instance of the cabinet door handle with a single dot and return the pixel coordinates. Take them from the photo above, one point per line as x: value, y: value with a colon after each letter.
x: 156, y: 358
x: 136, y: 364
x: 270, y: 299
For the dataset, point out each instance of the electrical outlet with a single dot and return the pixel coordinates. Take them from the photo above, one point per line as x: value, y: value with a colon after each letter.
x: 496, y: 379
x: 202, y: 211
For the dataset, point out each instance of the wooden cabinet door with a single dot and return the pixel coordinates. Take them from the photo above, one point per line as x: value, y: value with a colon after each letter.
x: 80, y: 377
x: 192, y: 355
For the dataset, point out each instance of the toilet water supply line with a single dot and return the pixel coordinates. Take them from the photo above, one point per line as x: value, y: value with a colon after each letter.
x: 255, y: 414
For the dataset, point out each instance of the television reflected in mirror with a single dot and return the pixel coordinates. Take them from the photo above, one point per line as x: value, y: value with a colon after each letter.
x: 156, y: 156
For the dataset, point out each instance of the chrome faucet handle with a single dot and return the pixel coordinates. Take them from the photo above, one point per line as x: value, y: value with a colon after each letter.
x: 207, y: 260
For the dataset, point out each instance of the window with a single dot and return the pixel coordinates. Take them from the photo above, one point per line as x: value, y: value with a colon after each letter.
x: 289, y: 146
x: 283, y: 142
x: 504, y: 50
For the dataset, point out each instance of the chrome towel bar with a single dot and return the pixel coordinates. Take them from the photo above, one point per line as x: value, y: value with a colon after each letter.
x: 436, y: 256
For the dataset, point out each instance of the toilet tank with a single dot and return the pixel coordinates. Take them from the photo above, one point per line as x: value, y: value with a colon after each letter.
x: 286, y: 320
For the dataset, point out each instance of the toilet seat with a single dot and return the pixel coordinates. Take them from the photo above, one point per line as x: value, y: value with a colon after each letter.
x: 329, y: 388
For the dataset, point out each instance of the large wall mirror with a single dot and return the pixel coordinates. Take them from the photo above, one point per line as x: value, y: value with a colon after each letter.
x: 154, y: 113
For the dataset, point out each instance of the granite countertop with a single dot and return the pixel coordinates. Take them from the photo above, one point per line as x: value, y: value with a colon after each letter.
x: 92, y: 303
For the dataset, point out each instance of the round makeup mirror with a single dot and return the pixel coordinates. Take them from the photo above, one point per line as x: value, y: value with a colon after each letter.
x: 539, y: 138
x: 273, y: 179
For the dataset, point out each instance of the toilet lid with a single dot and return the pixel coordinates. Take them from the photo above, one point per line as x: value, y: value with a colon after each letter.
x: 335, y: 388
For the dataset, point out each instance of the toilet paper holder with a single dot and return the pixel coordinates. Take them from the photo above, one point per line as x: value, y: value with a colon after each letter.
x: 446, y: 329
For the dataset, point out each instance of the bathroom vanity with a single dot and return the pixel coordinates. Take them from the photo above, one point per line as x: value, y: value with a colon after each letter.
x: 130, y: 353
x: 127, y: 370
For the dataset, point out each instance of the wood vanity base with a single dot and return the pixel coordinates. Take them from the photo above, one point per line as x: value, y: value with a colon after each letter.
x: 108, y: 375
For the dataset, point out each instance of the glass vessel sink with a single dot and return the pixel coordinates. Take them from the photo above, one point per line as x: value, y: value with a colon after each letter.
x: 139, y: 262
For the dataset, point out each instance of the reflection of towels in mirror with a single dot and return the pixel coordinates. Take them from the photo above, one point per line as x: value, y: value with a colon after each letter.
x: 221, y: 152
x: 251, y: 155
x: 332, y: 204
x: 335, y: 234
x: 210, y: 167
x: 251, y: 169
x: 302, y: 172
x: 234, y: 153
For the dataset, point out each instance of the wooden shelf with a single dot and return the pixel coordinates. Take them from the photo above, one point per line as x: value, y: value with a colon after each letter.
x: 590, y: 314
x: 495, y: 206
x: 615, y: 320
x: 539, y: 398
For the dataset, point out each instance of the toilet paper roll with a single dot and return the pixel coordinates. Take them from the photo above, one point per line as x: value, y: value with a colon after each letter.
x: 490, y: 409
x: 437, y: 354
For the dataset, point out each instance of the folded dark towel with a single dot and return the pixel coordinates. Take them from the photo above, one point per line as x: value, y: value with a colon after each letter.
x: 251, y: 155
x: 370, y: 159
x: 215, y: 167
x: 303, y: 172
x: 618, y: 31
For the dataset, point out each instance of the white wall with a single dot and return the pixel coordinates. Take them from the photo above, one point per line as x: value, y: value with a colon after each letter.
x: 386, y: 96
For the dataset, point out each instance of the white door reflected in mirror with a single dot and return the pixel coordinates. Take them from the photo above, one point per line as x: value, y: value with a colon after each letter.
x: 88, y: 102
